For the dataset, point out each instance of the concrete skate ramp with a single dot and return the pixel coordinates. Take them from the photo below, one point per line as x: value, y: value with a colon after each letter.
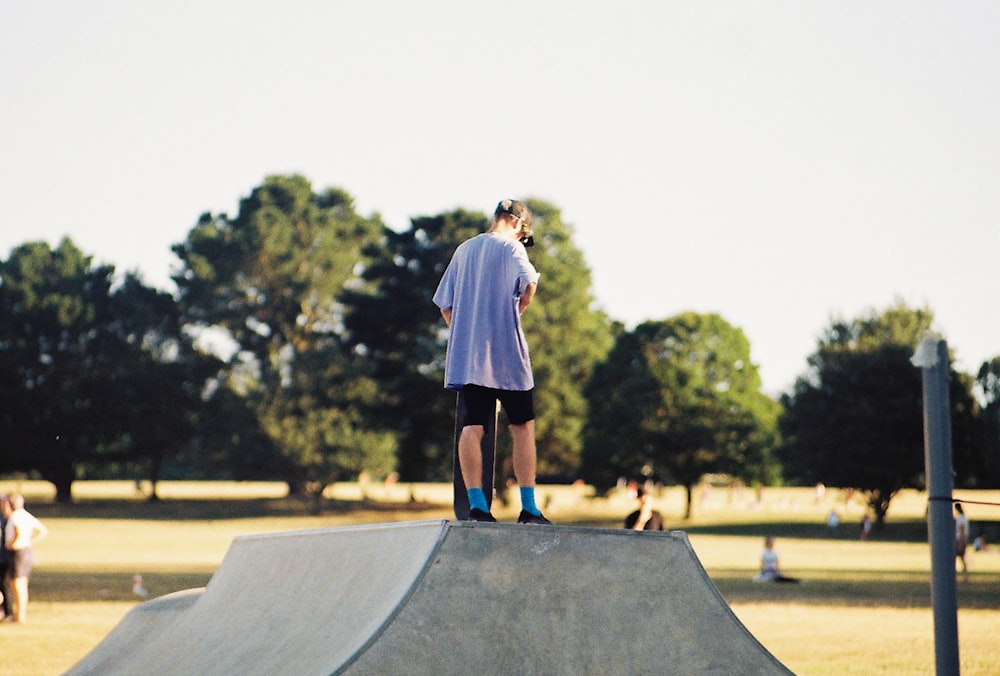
x: 442, y: 597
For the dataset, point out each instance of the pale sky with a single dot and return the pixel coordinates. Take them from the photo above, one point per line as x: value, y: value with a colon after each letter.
x: 780, y: 163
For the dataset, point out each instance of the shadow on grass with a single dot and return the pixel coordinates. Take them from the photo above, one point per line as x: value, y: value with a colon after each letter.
x: 70, y: 586
x: 818, y: 588
x: 858, y: 588
x: 906, y: 530
x: 901, y: 530
x: 219, y: 509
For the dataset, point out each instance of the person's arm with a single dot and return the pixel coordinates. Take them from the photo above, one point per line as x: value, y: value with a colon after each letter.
x: 645, y: 513
x: 447, y: 316
x: 41, y: 532
x: 526, y: 297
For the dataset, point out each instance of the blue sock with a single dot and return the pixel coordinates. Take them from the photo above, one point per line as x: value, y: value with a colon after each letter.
x: 528, y: 500
x: 477, y: 499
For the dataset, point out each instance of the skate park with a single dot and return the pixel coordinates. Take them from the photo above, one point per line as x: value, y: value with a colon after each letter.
x: 441, y: 597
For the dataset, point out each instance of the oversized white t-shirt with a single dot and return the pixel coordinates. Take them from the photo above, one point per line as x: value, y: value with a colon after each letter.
x: 482, y: 287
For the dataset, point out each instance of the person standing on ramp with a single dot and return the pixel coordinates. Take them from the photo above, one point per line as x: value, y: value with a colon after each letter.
x: 487, y: 286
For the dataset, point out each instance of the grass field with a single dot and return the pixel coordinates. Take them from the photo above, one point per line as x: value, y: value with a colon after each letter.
x: 864, y: 607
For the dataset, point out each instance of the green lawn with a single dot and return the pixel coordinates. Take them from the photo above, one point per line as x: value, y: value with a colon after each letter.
x: 864, y: 607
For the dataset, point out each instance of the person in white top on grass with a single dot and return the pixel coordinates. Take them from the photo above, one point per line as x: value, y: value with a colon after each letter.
x: 22, y: 532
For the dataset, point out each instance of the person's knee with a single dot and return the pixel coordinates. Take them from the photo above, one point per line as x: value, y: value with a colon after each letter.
x: 523, y: 433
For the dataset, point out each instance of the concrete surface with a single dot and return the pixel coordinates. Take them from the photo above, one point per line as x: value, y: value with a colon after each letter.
x: 442, y: 597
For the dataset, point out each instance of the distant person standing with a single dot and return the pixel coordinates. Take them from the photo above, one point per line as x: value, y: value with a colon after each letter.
x: 5, y: 610
x: 961, y: 538
x: 866, y: 526
x: 487, y: 285
x: 832, y: 521
x: 22, y: 532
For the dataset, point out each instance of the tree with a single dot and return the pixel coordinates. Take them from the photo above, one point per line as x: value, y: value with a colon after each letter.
x: 856, y: 418
x: 675, y: 400
x: 568, y: 336
x: 393, y: 322
x: 988, y: 384
x: 164, y: 383
x: 89, y: 379
x: 272, y: 279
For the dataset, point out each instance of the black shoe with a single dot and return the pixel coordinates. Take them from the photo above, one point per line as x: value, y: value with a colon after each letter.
x: 480, y: 515
x: 528, y: 517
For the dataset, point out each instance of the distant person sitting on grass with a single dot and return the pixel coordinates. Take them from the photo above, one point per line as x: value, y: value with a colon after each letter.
x: 769, y: 569
x: 644, y: 518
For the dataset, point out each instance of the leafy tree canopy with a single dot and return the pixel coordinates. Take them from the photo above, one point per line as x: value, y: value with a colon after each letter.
x: 856, y: 417
x: 988, y: 387
x: 393, y: 322
x: 93, y: 372
x: 568, y: 336
x: 273, y: 279
x: 678, y: 399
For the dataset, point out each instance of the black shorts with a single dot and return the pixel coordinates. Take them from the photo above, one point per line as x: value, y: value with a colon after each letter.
x: 20, y: 563
x: 481, y: 405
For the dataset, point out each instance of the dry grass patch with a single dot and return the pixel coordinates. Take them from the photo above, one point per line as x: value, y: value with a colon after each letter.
x: 820, y: 640
x: 864, y: 607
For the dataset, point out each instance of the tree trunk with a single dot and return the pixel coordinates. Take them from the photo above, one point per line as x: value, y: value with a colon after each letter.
x: 297, y: 488
x: 154, y: 476
x: 878, y: 500
x: 64, y: 490
x: 316, y: 493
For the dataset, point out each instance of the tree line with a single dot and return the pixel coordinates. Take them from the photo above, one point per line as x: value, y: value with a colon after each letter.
x: 301, y: 345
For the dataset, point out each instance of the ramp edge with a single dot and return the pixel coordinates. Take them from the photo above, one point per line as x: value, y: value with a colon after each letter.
x: 390, y: 618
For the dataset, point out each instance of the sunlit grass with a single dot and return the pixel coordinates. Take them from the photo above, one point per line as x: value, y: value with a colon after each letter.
x: 864, y: 607
x: 823, y: 640
x: 57, y: 635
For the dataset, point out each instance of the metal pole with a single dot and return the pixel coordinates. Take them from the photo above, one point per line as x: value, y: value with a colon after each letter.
x: 932, y: 358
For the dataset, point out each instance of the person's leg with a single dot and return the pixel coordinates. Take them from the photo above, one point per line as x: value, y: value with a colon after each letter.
x: 20, y: 563
x: 525, y: 457
x: 520, y: 408
x: 470, y: 455
x: 6, y: 610
x: 480, y: 406
x: 525, y: 453
x: 20, y: 600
